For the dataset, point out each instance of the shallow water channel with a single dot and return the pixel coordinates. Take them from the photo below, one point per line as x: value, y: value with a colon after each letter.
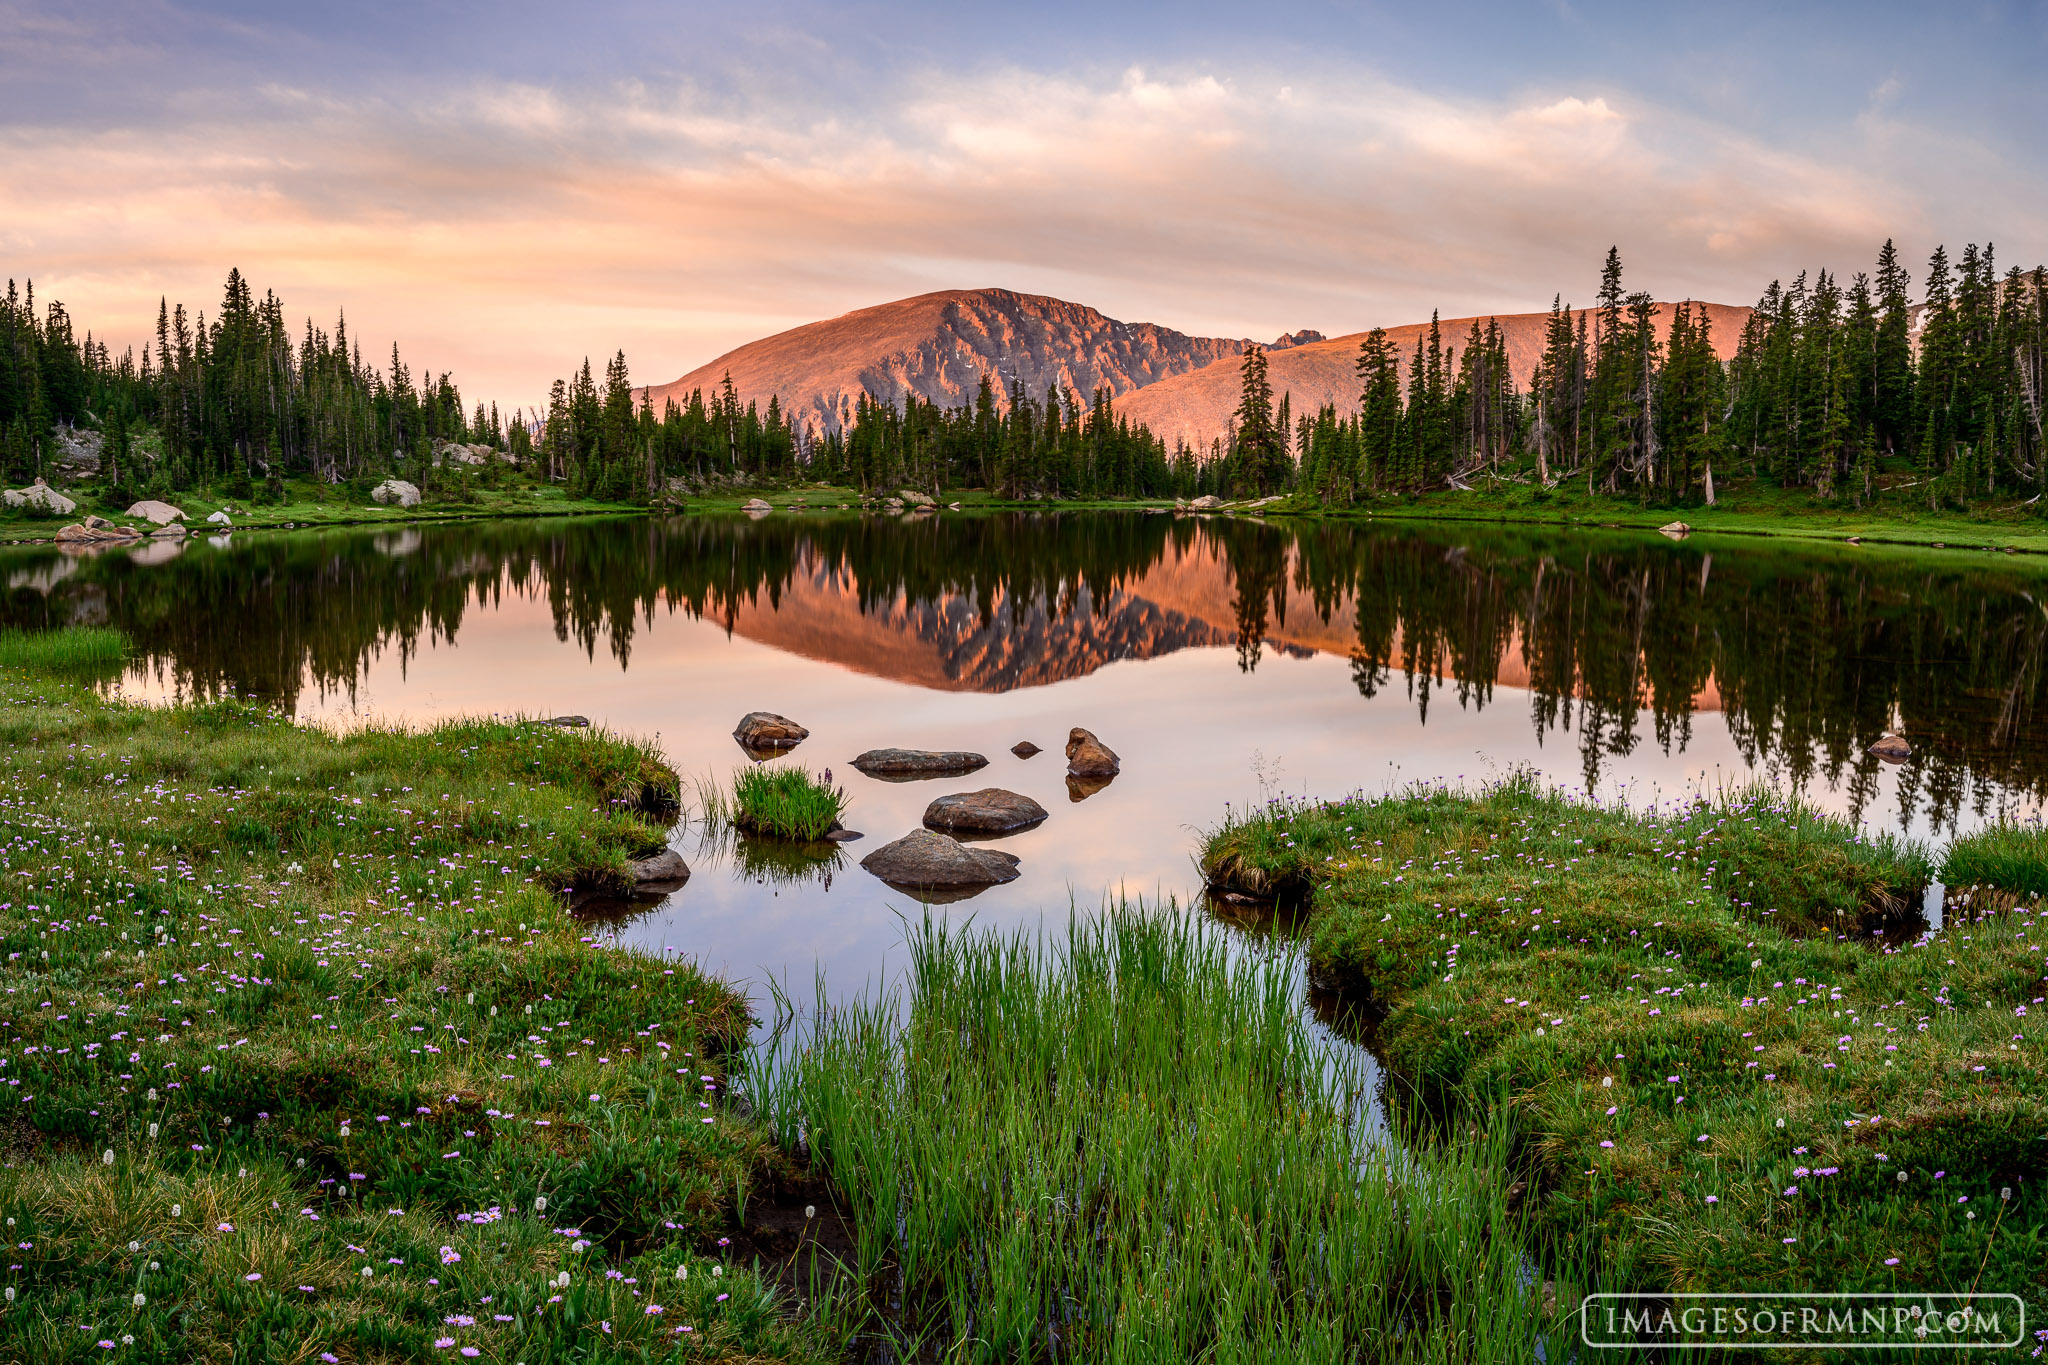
x: 1227, y: 661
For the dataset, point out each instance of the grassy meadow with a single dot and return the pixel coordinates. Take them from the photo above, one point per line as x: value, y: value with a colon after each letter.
x: 302, y: 1059
x: 1733, y: 1057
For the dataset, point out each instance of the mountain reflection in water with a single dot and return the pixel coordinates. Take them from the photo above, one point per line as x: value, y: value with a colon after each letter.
x: 1616, y: 641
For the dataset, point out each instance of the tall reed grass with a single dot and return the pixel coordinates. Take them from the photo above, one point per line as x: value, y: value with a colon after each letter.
x: 1127, y: 1143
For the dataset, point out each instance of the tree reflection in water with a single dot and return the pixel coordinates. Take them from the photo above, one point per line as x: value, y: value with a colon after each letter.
x: 1617, y: 640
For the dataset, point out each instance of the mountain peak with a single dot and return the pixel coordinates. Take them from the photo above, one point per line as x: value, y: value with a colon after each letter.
x: 937, y: 347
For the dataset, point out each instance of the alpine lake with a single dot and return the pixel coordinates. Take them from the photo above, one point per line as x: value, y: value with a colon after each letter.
x: 1227, y: 660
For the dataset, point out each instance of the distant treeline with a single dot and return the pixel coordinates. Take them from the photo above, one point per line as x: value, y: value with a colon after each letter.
x: 1830, y: 388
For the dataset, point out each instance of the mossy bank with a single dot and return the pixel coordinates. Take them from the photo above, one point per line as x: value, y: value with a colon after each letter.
x: 1737, y: 1058
x: 302, y: 1058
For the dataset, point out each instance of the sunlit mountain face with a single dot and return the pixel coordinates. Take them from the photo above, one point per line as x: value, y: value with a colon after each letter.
x: 1614, y: 645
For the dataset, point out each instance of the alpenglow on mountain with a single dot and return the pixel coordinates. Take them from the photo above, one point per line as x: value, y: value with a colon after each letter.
x: 1185, y: 388
x: 938, y: 346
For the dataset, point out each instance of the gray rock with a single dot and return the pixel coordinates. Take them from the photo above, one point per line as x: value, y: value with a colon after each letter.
x: 395, y: 491
x: 41, y: 497
x: 913, y: 763
x: 569, y: 722
x: 922, y: 859
x: 760, y: 505
x: 766, y: 730
x: 161, y: 513
x: 916, y: 499
x: 1208, y: 502
x: 666, y: 870
x: 1677, y: 530
x: 988, y: 811
x: 1088, y: 756
x: 221, y: 519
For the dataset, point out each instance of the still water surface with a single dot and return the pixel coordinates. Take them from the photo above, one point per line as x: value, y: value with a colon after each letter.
x: 1226, y: 661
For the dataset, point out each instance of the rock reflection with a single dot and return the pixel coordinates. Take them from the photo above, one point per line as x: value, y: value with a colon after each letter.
x: 1611, y: 641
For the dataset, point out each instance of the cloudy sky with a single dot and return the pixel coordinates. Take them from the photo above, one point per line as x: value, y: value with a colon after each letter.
x: 507, y: 187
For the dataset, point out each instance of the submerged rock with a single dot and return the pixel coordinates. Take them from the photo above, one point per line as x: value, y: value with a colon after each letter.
x: 908, y: 763
x: 1088, y: 756
x: 1892, y: 748
x: 766, y: 730
x: 922, y: 859
x: 988, y: 811
x: 1081, y: 788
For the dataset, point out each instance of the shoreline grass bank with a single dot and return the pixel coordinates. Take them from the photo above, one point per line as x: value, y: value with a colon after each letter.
x: 1736, y: 1062
x: 302, y: 1058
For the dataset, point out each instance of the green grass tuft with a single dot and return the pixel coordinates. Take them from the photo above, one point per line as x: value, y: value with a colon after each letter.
x: 2004, y: 857
x: 72, y: 649
x: 778, y: 803
x: 1128, y: 1141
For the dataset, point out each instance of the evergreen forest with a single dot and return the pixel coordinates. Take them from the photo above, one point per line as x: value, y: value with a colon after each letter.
x: 1839, y: 389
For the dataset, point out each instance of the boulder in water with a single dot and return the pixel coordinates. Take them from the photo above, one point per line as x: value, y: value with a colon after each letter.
x: 766, y: 730
x: 901, y: 764
x: 1088, y: 756
x: 924, y: 860
x: 1677, y: 530
x: 1024, y: 748
x: 666, y: 870
x: 1892, y: 748
x: 986, y: 812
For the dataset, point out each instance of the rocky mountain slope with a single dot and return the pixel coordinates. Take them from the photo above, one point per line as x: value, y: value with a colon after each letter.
x: 1196, y: 407
x: 938, y: 346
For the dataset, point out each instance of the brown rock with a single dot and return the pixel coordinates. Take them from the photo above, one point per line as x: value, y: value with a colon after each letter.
x: 766, y: 730
x: 666, y: 870
x: 1088, y: 756
x: 988, y: 811
x: 1892, y: 748
x: 1024, y: 748
x: 906, y: 764
x: 924, y: 860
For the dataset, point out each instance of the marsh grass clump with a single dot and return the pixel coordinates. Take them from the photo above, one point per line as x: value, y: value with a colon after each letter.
x: 777, y: 802
x: 1732, y: 1067
x: 1125, y: 1141
x: 2008, y: 856
x: 316, y: 994
x: 72, y: 649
